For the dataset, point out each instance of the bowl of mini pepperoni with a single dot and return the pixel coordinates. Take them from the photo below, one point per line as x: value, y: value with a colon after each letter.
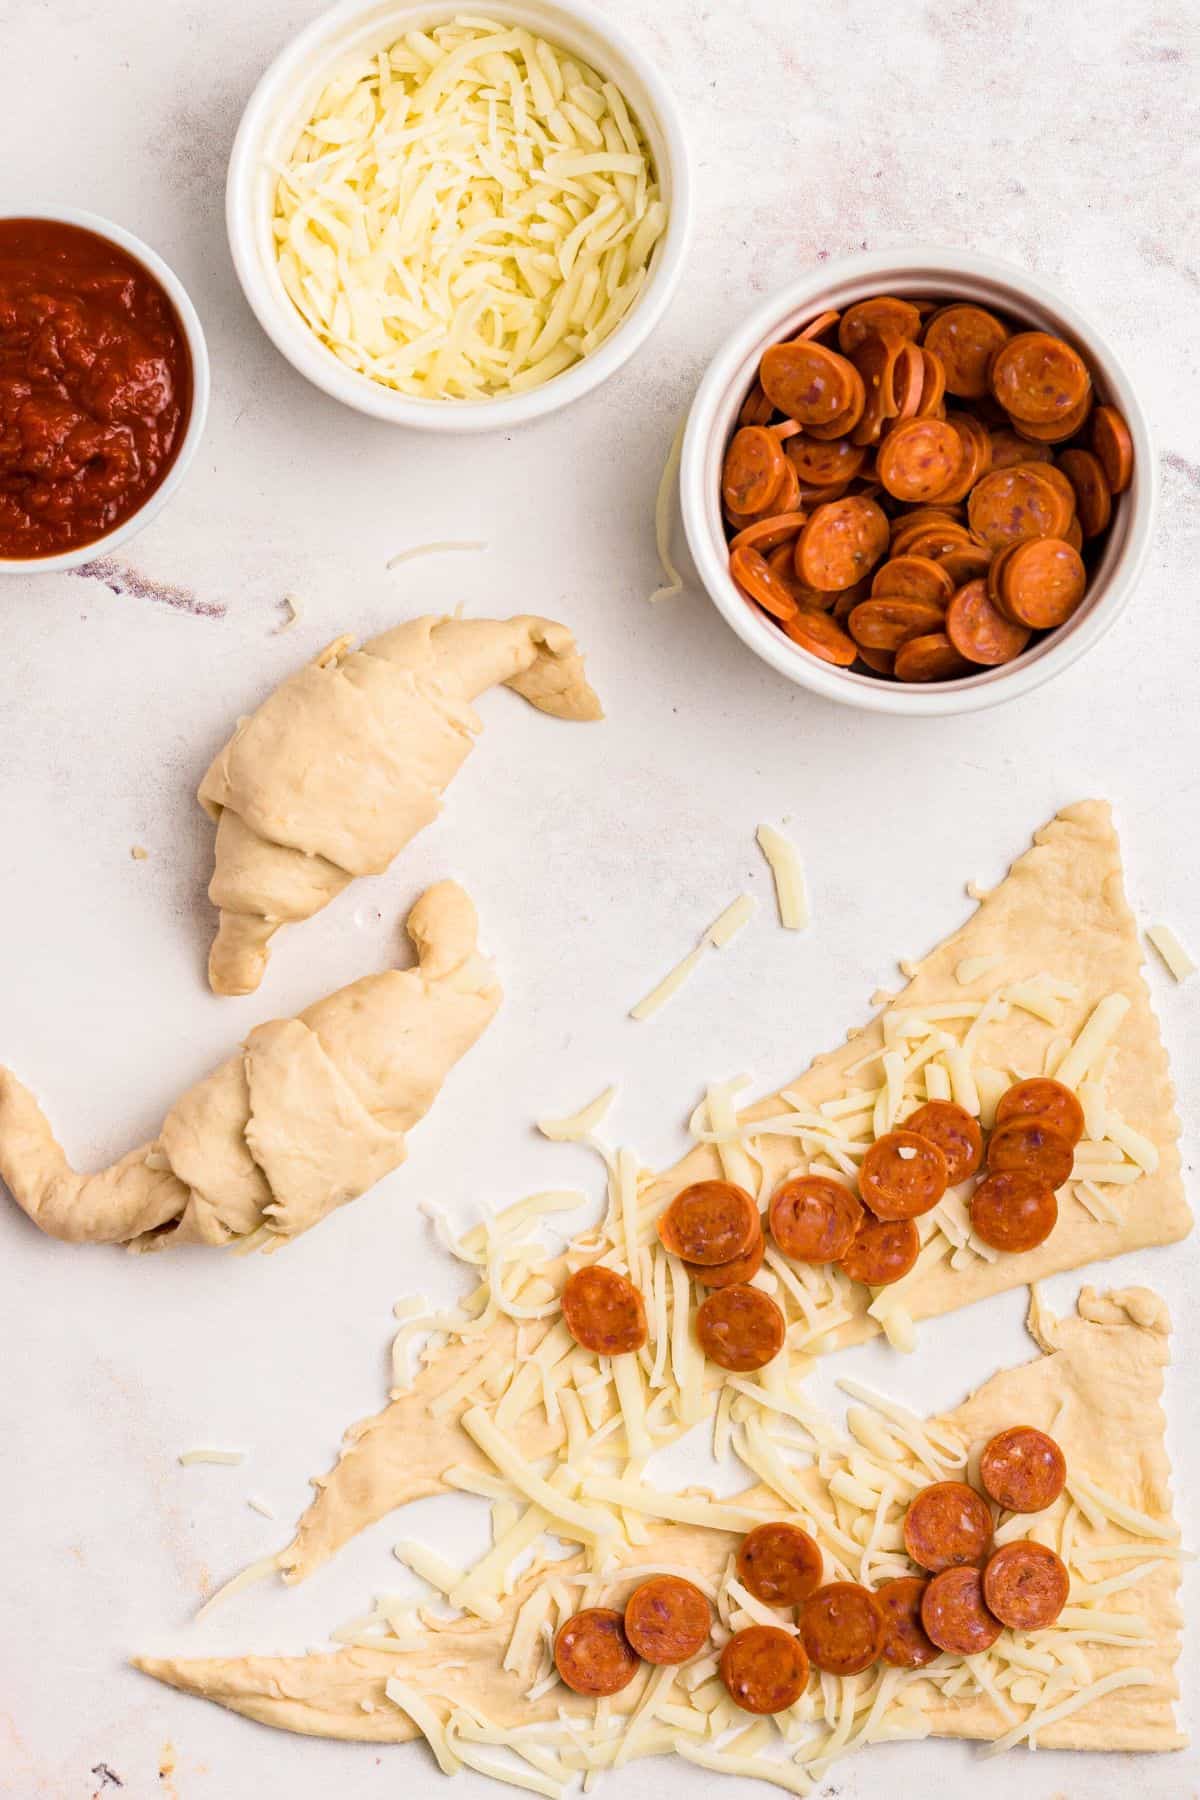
x: 920, y: 486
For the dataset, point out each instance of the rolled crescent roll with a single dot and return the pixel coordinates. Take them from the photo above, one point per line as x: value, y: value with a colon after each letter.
x: 348, y: 759
x: 307, y: 1114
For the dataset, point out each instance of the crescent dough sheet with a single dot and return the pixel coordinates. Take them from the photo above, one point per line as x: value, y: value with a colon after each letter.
x: 348, y: 759
x: 307, y: 1115
x: 1096, y: 1386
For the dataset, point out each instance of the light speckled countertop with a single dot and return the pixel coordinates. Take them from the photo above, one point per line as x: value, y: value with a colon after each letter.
x: 595, y: 855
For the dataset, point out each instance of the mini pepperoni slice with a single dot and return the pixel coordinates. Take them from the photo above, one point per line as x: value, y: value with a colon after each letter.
x: 1114, y: 446
x: 1013, y: 1211
x: 947, y: 1523
x: 1062, y: 428
x: 767, y: 534
x: 908, y: 381
x: 887, y: 623
x: 930, y: 658
x: 964, y: 566
x: 881, y: 313
x: 1025, y: 1585
x: 593, y: 1655
x: 759, y: 582
x: 954, y: 1613
x: 603, y: 1311
x: 1093, y: 496
x: 975, y: 459
x: 841, y: 543
x: 756, y: 408
x: 1041, y: 1098
x: 848, y: 419
x: 843, y: 1628
x: 823, y: 463
x: 906, y: 1643
x: 880, y: 662
x: 814, y: 1218
x: 1031, y: 1147
x: 1009, y: 449
x: 709, y: 1222
x: 1015, y: 503
x: 740, y: 1328
x: 883, y: 1251
x: 919, y: 458
x: 728, y: 1274
x: 753, y: 471
x: 667, y: 1619
x: 819, y: 326
x: 913, y: 577
x: 933, y: 388
x: 780, y: 1564
x: 787, y: 496
x: 979, y: 630
x: 956, y: 1134
x: 765, y: 1669
x: 966, y: 338
x: 821, y: 637
x: 806, y: 381
x: 875, y: 359
x: 902, y: 1175
x: 1023, y: 1469
x: 1038, y: 378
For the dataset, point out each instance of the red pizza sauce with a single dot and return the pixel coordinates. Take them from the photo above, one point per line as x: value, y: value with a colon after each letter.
x: 95, y: 386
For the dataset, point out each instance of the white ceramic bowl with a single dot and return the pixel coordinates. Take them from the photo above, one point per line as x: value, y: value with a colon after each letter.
x: 198, y: 350
x: 947, y: 274
x: 281, y: 104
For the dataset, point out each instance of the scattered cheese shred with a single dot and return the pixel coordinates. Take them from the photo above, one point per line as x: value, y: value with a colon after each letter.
x: 425, y: 1718
x: 230, y: 1458
x: 719, y: 933
x: 788, y: 874
x: 438, y: 548
x: 1041, y: 1717
x: 580, y: 1125
x: 586, y: 1524
x: 663, y: 514
x: 1179, y: 961
x: 257, y: 1571
x: 451, y: 225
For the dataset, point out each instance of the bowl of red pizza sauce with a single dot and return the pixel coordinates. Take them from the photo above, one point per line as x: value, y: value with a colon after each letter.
x: 103, y: 387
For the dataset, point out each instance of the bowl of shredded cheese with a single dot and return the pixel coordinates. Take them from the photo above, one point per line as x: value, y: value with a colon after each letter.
x: 458, y: 221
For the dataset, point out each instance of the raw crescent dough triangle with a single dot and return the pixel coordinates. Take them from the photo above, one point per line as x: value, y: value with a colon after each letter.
x: 1097, y: 1386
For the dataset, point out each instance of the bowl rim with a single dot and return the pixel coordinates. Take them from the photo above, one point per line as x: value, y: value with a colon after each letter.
x: 911, y: 268
x: 304, y: 350
x: 193, y: 333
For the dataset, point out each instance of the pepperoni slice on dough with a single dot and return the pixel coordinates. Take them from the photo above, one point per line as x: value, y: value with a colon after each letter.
x: 780, y: 1564
x: 740, y: 1328
x: 709, y: 1222
x: 1013, y: 1211
x: 728, y: 1274
x: 948, y: 1523
x: 814, y: 1218
x: 1026, y: 1586
x: 902, y: 1175
x: 1022, y: 1469
x: 765, y: 1670
x: 1041, y: 1098
x: 956, y: 1134
x: 593, y: 1655
x: 883, y: 1250
x: 1032, y: 1147
x: 842, y: 1626
x: 955, y: 1615
x: 906, y: 1643
x: 603, y: 1311
x: 667, y: 1619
